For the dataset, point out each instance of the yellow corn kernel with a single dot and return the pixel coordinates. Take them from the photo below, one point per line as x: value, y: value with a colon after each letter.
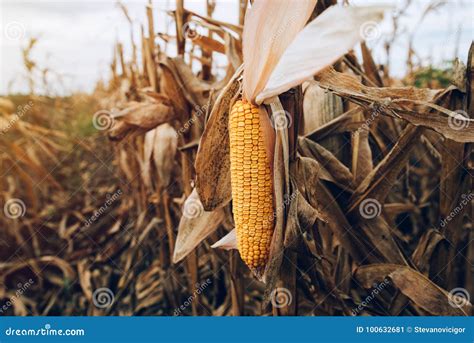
x: 252, y: 188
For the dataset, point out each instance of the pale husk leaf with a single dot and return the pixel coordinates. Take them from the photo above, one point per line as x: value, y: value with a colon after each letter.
x: 228, y: 242
x: 164, y: 151
x: 270, y: 27
x: 193, y: 229
x: 318, y: 45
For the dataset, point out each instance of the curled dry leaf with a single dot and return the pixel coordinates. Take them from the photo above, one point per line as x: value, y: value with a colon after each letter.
x: 377, y: 184
x: 212, y: 160
x: 192, y: 87
x: 147, y: 153
x: 427, y: 246
x: 319, y: 107
x: 195, y: 226
x: 143, y: 117
x: 164, y: 151
x: 301, y: 216
x: 332, y: 169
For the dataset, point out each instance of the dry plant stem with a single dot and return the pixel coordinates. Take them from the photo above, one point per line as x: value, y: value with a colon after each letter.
x: 291, y: 101
x: 193, y: 271
x: 150, y: 51
x: 168, y: 223
x: 288, y: 281
x: 180, y: 20
x: 242, y: 8
x: 237, y: 284
x: 469, y: 165
x: 454, y: 183
x: 206, y: 54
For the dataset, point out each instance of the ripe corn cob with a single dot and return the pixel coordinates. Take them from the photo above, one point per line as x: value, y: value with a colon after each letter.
x: 251, y: 180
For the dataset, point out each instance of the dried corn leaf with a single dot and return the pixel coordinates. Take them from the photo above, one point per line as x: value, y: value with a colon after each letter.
x: 227, y: 242
x: 6, y: 106
x: 426, y: 247
x: 193, y: 88
x: 415, y: 286
x: 212, y: 160
x: 195, y: 225
x: 379, y: 182
x: 395, y: 101
x: 142, y: 117
x: 336, y: 171
x: 164, y: 151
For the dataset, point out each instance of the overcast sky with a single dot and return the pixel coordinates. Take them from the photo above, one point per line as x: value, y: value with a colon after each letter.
x: 76, y: 38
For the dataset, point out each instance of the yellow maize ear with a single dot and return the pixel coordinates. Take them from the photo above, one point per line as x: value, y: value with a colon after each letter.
x: 252, y: 188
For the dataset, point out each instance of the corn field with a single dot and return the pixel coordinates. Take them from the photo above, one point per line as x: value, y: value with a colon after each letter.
x: 270, y: 167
